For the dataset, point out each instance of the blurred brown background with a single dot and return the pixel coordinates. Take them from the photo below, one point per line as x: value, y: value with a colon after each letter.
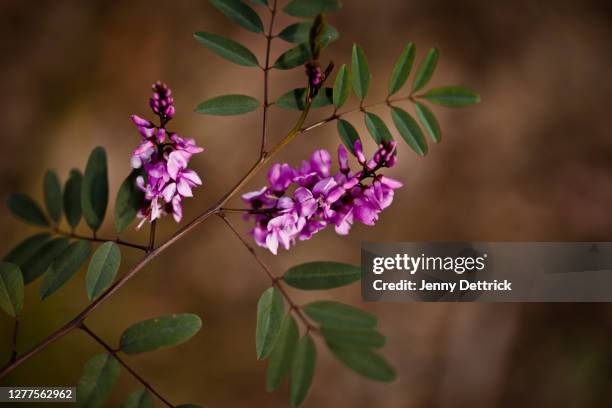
x: 532, y: 162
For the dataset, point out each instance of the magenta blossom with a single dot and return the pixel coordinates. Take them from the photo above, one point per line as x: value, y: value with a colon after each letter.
x: 164, y: 158
x: 321, y: 198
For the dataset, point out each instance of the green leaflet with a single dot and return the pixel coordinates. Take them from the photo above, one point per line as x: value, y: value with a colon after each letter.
x: 366, y: 363
x: 302, y: 371
x: 410, y: 130
x: 361, y: 339
x: 270, y: 310
x: 425, y: 70
x: 339, y: 316
x: 11, y: 289
x: 96, y: 383
x: 342, y: 86
x: 401, y: 69
x: 322, y: 275
x: 228, y: 49
x: 39, y: 262
x: 377, y: 128
x: 72, y: 198
x: 310, y: 8
x: 23, y: 207
x: 138, y: 399
x: 348, y: 134
x: 240, y: 13
x: 452, y: 96
x: 282, y: 354
x: 228, y: 105
x: 429, y: 122
x: 128, y: 201
x: 296, y: 99
x: 299, y: 33
x: 102, y: 269
x: 94, y: 190
x: 26, y: 249
x: 53, y: 196
x: 293, y: 57
x: 360, y: 72
x: 163, y: 331
x: 64, y: 267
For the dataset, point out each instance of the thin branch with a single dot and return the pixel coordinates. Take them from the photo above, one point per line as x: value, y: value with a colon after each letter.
x: 149, y: 256
x: 124, y: 364
x: 152, y: 236
x: 273, y: 278
x: 97, y: 239
x: 337, y: 115
x: 266, y: 71
x: 15, y: 331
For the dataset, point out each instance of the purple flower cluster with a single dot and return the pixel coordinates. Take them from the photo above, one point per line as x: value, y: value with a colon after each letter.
x: 164, y: 157
x: 321, y: 198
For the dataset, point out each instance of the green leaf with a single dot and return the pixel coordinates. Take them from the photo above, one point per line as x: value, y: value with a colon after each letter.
x: 360, y: 72
x: 263, y: 3
x: 102, y: 269
x: 303, y: 369
x: 299, y: 32
x: 38, y: 263
x: 452, y: 96
x: 296, y: 99
x: 163, y: 331
x: 64, y: 267
x: 322, y: 275
x: 377, y: 128
x: 270, y: 310
x: 99, y: 376
x: 22, y: 206
x: 138, y: 399
x: 21, y: 253
x: 429, y: 122
x: 53, y: 195
x: 348, y: 134
x: 342, y: 86
x: 128, y: 201
x: 339, y: 316
x: 189, y: 406
x: 353, y: 339
x: 425, y: 70
x: 240, y: 13
x: 366, y: 363
x: 228, y: 105
x: 293, y: 57
x: 282, y: 354
x: 410, y: 130
x: 310, y: 8
x: 72, y: 198
x: 11, y: 288
x: 402, y: 68
x: 94, y: 190
x: 228, y: 49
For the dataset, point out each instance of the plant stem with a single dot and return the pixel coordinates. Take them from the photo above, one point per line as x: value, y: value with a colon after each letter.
x: 124, y: 364
x: 152, y: 236
x: 266, y: 71
x: 149, y: 256
x: 273, y: 278
x: 336, y: 116
x: 96, y: 239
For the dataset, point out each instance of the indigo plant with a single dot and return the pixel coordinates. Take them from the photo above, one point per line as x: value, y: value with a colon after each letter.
x: 298, y: 201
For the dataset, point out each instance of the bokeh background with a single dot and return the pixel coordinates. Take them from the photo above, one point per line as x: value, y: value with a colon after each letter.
x: 532, y: 162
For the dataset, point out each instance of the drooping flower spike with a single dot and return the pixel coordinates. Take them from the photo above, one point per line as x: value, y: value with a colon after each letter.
x: 321, y: 198
x: 164, y: 157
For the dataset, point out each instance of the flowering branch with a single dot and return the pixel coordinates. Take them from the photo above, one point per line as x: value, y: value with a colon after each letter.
x: 276, y: 280
x: 114, y: 353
